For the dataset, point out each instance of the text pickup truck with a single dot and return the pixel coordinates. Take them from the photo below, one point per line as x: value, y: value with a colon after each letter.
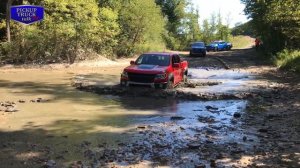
x: 158, y: 70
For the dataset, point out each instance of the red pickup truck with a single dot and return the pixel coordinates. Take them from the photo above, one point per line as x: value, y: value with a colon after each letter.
x: 158, y: 70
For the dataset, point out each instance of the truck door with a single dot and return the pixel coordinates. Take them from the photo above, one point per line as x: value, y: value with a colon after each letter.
x: 176, y: 70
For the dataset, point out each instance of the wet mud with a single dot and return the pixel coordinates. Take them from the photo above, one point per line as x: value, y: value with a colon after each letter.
x: 220, y: 118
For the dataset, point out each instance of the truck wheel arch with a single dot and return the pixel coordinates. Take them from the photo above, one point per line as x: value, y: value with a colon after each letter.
x: 171, y: 77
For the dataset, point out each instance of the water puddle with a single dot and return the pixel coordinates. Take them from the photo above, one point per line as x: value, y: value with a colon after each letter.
x: 74, y: 127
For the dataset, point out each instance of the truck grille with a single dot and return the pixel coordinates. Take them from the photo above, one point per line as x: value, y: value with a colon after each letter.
x: 141, y: 78
x: 197, y: 50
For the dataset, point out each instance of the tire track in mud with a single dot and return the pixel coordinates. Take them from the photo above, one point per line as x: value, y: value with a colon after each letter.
x: 226, y: 66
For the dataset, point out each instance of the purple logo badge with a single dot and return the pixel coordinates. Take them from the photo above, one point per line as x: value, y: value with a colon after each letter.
x: 27, y: 14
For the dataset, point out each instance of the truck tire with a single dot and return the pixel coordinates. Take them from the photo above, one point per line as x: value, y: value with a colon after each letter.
x: 184, y: 78
x: 169, y: 84
x: 122, y: 84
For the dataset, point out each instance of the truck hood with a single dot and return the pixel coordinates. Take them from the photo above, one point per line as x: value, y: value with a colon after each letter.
x: 213, y: 45
x: 198, y: 47
x: 147, y: 69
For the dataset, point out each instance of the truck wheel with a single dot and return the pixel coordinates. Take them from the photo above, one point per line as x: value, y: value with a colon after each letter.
x: 123, y: 83
x: 169, y: 85
x: 185, y: 79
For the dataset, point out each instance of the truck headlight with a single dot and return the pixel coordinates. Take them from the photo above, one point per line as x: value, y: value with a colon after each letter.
x: 124, y: 74
x: 161, y: 76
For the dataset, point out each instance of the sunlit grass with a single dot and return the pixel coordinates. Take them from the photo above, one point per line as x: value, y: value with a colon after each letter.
x: 288, y: 60
x: 240, y: 42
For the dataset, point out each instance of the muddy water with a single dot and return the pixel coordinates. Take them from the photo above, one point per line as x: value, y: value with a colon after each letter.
x: 70, y: 120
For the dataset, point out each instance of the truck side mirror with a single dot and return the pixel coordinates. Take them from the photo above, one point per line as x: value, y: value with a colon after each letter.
x: 132, y: 62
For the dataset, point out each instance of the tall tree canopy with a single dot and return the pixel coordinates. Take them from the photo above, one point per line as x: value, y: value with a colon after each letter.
x: 277, y: 22
x: 77, y: 29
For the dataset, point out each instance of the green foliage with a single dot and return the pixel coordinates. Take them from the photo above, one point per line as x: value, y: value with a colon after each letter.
x: 183, y: 26
x: 108, y: 31
x: 208, y: 33
x: 288, y: 60
x: 245, y: 29
x: 70, y: 27
x: 276, y: 22
x: 142, y: 25
x: 215, y: 29
x: 73, y: 29
x: 240, y: 42
x: 174, y: 11
x: 191, y: 28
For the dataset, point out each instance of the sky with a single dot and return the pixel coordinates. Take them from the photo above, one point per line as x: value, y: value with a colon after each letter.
x: 232, y: 9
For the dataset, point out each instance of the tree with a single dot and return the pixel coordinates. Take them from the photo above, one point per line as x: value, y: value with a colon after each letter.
x: 276, y: 22
x: 245, y: 29
x: 194, y: 32
x: 8, y: 5
x: 142, y: 24
x: 222, y: 31
x: 175, y: 14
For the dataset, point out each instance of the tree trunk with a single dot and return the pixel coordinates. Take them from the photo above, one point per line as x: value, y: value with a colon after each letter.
x: 8, y: 5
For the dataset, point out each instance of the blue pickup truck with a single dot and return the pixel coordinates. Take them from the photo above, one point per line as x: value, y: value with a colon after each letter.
x: 219, y: 46
x: 198, y: 48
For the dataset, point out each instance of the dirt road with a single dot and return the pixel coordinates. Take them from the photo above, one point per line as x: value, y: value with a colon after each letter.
x: 235, y: 112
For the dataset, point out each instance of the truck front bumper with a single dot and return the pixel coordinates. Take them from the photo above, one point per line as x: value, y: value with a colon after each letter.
x: 152, y: 85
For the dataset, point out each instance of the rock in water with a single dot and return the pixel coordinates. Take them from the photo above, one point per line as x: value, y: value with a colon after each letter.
x: 11, y: 109
x: 194, y: 145
x: 210, y: 108
x: 50, y: 164
x: 237, y: 115
x: 22, y: 101
x: 142, y: 127
x: 177, y: 118
x: 263, y: 130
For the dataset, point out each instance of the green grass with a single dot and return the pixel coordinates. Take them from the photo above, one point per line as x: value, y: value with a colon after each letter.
x: 288, y: 60
x: 240, y: 42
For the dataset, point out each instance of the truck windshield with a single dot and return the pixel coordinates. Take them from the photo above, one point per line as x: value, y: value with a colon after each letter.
x: 198, y: 45
x: 154, y: 59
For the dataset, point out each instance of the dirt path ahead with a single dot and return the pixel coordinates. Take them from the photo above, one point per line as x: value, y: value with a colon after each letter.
x: 244, y: 116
